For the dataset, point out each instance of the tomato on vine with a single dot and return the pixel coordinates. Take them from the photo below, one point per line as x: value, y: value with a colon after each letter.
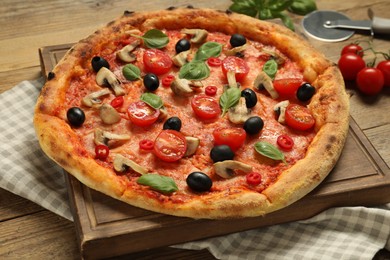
x: 384, y: 66
x: 370, y: 81
x: 350, y: 64
x: 353, y: 48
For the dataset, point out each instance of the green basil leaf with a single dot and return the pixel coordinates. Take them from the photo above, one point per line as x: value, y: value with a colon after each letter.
x: 244, y: 7
x: 152, y: 100
x: 269, y: 150
x: 302, y: 7
x: 286, y: 20
x: 271, y: 68
x: 154, y: 39
x: 279, y: 6
x: 158, y: 182
x: 229, y: 99
x: 207, y: 50
x: 194, y: 70
x: 131, y: 72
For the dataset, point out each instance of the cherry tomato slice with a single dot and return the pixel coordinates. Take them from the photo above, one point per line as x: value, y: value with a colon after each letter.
x: 117, y: 102
x: 170, y: 145
x: 287, y: 87
x: 253, y: 178
x: 214, y: 61
x: 236, y: 64
x: 205, y: 107
x: 234, y: 137
x: 299, y: 117
x: 285, y: 142
x: 141, y: 114
x: 370, y: 81
x: 157, y: 61
x: 101, y: 152
x: 210, y: 90
x: 167, y: 80
x: 146, y: 144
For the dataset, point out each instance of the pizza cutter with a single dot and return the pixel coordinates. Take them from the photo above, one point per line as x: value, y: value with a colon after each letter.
x: 331, y: 26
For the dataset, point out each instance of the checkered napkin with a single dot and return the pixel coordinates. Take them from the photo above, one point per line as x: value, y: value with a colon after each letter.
x: 337, y: 233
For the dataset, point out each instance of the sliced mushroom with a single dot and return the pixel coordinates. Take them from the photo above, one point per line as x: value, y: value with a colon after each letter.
x: 236, y: 50
x: 226, y: 169
x: 192, y: 145
x: 163, y: 113
x: 198, y: 35
x: 181, y: 58
x: 102, y: 137
x: 107, y: 77
x: 122, y: 163
x: 239, y: 113
x: 108, y: 114
x: 93, y: 98
x: 125, y: 54
x: 231, y: 77
x: 280, y: 108
x: 184, y: 87
x: 264, y: 81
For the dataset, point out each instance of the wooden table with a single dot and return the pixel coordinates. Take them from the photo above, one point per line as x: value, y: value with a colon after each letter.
x: 29, y: 231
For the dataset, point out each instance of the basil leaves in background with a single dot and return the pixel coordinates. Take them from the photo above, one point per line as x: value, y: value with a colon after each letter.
x: 267, y: 9
x: 158, y: 182
x: 154, y: 39
x: 269, y: 150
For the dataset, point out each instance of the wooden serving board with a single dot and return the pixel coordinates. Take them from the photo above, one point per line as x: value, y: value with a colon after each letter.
x: 107, y: 227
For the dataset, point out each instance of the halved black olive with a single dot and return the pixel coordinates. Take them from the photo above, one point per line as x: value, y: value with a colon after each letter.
x: 250, y: 97
x: 75, y: 116
x: 182, y: 45
x: 98, y: 62
x: 173, y: 123
x: 151, y: 82
x: 221, y: 153
x: 253, y: 125
x: 237, y: 40
x: 199, y: 181
x: 305, y: 92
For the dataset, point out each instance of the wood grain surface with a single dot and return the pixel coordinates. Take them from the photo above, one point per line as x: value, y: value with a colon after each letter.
x: 30, y: 232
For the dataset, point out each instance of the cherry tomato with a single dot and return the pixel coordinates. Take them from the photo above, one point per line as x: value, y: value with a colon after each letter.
x: 141, y: 114
x: 287, y: 87
x: 236, y: 64
x: 384, y: 66
x: 117, y: 102
x: 157, y: 61
x: 285, y: 142
x: 167, y: 80
x: 210, y: 90
x: 101, y: 152
x: 170, y: 145
x: 253, y: 178
x: 205, y: 107
x: 370, y: 81
x: 299, y: 117
x: 214, y: 61
x: 233, y: 137
x: 350, y: 64
x: 146, y: 144
x: 353, y: 48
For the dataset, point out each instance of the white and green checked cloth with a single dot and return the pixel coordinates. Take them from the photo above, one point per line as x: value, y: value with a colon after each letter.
x: 337, y: 233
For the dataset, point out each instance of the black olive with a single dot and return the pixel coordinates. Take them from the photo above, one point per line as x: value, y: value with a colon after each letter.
x: 221, y: 153
x: 182, y: 45
x: 237, y: 40
x: 76, y: 116
x: 99, y: 62
x: 51, y: 75
x: 199, y: 181
x: 173, y: 123
x: 305, y: 92
x: 151, y: 82
x: 250, y: 97
x: 253, y: 125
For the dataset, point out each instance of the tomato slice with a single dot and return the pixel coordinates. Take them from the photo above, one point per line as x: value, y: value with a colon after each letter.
x: 141, y: 114
x: 157, y: 61
x: 234, y: 137
x: 299, y: 117
x: 287, y: 87
x: 236, y: 64
x: 205, y: 107
x: 285, y: 142
x: 170, y: 145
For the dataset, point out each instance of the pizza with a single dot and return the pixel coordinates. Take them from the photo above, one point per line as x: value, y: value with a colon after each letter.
x: 195, y: 112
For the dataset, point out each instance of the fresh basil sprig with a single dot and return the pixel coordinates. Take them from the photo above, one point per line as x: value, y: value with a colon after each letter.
x: 269, y: 150
x: 302, y: 7
x: 157, y: 182
x: 131, y: 72
x: 208, y: 50
x: 270, y: 68
x: 154, y: 38
x: 152, y: 100
x: 229, y: 99
x: 194, y: 70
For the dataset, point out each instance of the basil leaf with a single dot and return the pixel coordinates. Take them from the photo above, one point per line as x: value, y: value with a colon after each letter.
x: 286, y: 20
x: 154, y: 39
x: 152, y: 100
x: 270, y: 151
x: 194, y: 70
x: 270, y: 68
x: 207, y: 50
x: 131, y: 72
x: 157, y: 182
x: 244, y: 7
x: 302, y: 7
x: 279, y: 6
x: 229, y: 99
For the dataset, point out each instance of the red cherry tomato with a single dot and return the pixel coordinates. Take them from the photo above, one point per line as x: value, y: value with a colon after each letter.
x: 353, y: 48
x: 350, y: 64
x: 370, y: 81
x: 285, y: 142
x: 210, y: 90
x: 253, y: 178
x: 205, y: 107
x: 167, y: 80
x: 141, y: 114
x: 146, y: 144
x: 101, y: 152
x: 117, y: 102
x: 384, y: 66
x: 170, y: 145
x: 299, y: 117
x: 236, y: 64
x: 214, y: 61
x: 234, y: 137
x: 287, y: 87
x: 157, y: 61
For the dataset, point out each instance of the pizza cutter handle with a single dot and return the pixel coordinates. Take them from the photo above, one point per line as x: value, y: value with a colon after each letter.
x: 379, y: 25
